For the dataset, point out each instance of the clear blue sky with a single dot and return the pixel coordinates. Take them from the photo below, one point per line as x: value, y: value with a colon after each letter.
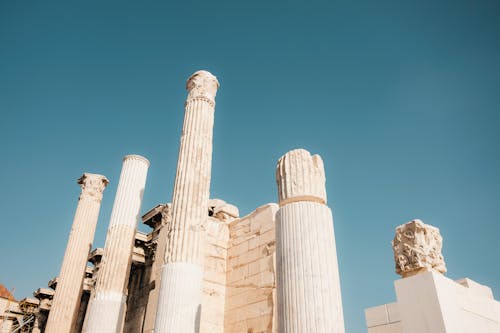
x: 400, y: 98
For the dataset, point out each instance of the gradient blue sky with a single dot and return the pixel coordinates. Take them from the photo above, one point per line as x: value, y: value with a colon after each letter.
x: 400, y: 98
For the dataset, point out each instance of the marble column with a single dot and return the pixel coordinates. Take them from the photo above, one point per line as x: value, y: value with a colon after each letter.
x: 308, y: 286
x: 179, y: 302
x: 67, y: 296
x: 108, y: 305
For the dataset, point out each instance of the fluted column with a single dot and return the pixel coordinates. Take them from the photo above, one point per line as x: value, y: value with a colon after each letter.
x: 308, y: 286
x: 107, y: 310
x: 69, y: 286
x: 179, y: 302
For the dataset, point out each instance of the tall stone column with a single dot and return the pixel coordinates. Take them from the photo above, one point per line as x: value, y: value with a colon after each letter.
x: 308, y: 285
x: 108, y: 305
x: 66, y: 300
x: 179, y: 302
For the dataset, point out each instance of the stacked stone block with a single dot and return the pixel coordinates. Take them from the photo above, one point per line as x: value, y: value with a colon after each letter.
x: 250, y: 299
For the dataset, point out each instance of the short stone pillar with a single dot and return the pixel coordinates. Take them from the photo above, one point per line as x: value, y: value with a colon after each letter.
x: 179, y: 301
x: 417, y: 248
x: 67, y: 296
x: 308, y: 285
x: 107, y: 309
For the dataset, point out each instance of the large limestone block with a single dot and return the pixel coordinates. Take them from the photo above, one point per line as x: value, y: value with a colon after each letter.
x: 427, y: 302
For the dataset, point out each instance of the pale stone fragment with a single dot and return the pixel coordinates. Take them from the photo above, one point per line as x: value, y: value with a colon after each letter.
x: 476, y: 288
x: 66, y: 302
x: 393, y: 312
x: 222, y: 210
x: 417, y: 248
x: 427, y: 303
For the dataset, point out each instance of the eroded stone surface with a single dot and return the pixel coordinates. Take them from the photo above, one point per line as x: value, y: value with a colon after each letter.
x: 300, y: 177
x: 417, y: 248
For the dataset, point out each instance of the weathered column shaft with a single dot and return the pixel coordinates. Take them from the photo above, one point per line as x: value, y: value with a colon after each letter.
x: 179, y: 302
x: 107, y: 311
x: 308, y: 285
x: 69, y: 286
x: 192, y: 183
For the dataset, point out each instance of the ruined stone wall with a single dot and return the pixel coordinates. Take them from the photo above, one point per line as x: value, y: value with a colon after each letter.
x: 214, y: 278
x: 251, y: 283
x: 239, y: 288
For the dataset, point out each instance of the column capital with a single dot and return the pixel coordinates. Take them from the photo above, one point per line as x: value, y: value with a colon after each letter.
x: 300, y: 177
x: 202, y: 85
x: 92, y: 185
x: 417, y: 248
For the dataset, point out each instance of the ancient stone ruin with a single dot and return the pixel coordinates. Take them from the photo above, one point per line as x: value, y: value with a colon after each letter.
x: 203, y: 268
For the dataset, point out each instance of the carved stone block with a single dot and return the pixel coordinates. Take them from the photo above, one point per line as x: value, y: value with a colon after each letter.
x: 417, y: 248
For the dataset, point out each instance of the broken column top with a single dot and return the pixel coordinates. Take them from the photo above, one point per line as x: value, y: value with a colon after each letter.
x: 202, y: 84
x: 417, y: 248
x: 137, y: 157
x: 93, y: 185
x: 300, y: 177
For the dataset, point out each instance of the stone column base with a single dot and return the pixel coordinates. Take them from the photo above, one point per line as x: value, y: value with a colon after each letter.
x: 106, y: 313
x: 179, y: 302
